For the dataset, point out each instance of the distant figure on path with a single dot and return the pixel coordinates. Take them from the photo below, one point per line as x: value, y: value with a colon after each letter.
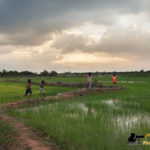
x: 114, y: 78
x: 89, y: 78
x: 28, y: 88
x: 42, y: 92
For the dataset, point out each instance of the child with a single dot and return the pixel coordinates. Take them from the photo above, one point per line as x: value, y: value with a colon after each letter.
x: 114, y: 78
x: 42, y: 92
x: 89, y: 77
x: 28, y: 88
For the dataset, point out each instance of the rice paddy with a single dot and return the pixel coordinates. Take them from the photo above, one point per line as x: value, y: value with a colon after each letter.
x: 92, y: 122
x: 11, y: 91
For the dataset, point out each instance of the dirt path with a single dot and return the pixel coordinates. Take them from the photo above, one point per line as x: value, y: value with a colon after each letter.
x: 26, y: 138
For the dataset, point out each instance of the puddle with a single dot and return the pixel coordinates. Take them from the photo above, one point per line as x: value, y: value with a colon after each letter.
x: 114, y: 103
x: 86, y: 109
x: 110, y: 102
x: 83, y: 107
x: 125, y: 122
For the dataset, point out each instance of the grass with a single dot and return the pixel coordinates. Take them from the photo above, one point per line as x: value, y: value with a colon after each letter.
x: 11, y: 91
x: 94, y: 122
x: 106, y: 78
x: 6, y: 136
x: 47, y: 79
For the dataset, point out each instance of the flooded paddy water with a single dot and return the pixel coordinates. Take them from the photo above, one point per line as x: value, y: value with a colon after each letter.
x: 117, y: 114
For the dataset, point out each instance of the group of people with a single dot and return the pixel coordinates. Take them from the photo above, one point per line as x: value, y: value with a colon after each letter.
x: 29, y: 90
x: 42, y: 92
x: 89, y: 79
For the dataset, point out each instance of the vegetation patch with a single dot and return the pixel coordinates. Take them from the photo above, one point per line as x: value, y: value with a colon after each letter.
x: 7, y: 134
x: 94, y: 121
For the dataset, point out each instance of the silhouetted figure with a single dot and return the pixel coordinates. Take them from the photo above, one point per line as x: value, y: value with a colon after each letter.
x: 132, y: 138
x: 89, y: 77
x: 28, y: 88
x: 42, y: 92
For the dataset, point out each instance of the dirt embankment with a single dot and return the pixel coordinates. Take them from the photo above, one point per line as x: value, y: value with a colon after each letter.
x: 62, y: 96
x: 26, y: 138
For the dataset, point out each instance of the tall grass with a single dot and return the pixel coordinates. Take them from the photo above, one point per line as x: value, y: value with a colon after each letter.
x: 94, y: 122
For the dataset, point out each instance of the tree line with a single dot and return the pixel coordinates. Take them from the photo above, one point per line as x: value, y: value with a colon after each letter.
x: 71, y: 74
x: 27, y: 73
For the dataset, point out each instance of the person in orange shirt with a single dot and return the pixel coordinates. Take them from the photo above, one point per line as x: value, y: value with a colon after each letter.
x: 114, y: 78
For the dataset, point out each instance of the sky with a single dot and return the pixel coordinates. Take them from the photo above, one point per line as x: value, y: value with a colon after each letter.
x: 75, y: 35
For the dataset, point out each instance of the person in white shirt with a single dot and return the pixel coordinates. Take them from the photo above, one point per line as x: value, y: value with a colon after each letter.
x: 89, y: 78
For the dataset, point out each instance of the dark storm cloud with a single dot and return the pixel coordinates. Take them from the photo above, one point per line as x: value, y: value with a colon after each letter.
x: 67, y: 43
x: 29, y: 22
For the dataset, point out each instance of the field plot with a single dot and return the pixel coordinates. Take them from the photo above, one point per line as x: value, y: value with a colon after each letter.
x: 11, y: 91
x: 47, y: 79
x: 93, y: 122
x: 80, y: 79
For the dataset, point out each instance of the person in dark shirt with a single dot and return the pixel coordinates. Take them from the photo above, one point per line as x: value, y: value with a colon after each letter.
x: 28, y: 88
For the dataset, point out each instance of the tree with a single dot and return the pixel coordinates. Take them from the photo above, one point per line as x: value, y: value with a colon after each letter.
x: 142, y: 71
x: 53, y: 73
x: 44, y: 73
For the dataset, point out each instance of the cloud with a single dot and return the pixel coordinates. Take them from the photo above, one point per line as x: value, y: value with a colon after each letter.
x: 30, y: 22
x: 123, y: 39
x: 37, y: 34
x: 67, y: 43
x: 5, y: 50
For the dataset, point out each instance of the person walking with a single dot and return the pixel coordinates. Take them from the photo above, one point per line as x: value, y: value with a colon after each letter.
x: 89, y: 78
x: 42, y: 92
x: 28, y: 88
x: 114, y: 79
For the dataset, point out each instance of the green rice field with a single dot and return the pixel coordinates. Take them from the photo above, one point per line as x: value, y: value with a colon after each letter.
x: 92, y: 122
x: 106, y: 78
x: 11, y: 91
